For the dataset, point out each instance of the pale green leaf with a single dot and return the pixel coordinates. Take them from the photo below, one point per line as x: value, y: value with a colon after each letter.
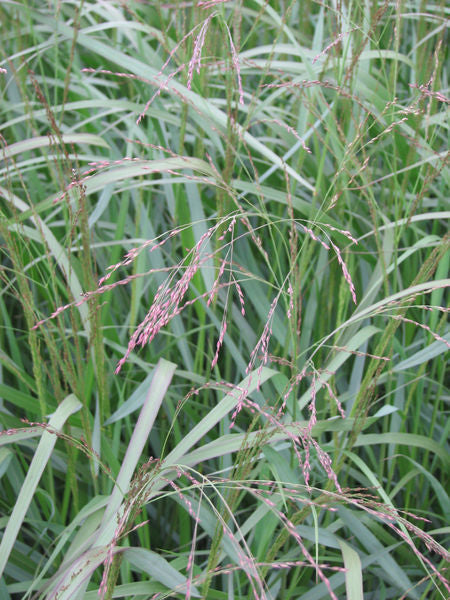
x: 160, y: 569
x: 37, y: 466
x: 353, y: 573
x: 45, y: 141
x: 424, y: 355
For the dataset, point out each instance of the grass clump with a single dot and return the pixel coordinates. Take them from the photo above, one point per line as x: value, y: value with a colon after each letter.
x: 224, y: 265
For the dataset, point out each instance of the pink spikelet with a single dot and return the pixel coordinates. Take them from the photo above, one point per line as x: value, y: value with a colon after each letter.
x: 333, y: 43
x: 437, y: 337
x: 162, y: 86
x: 289, y: 129
x: 241, y: 297
x: 347, y: 234
x: 210, y: 3
x: 347, y: 275
x: 167, y: 302
x: 195, y: 62
x: 313, y: 236
x: 235, y: 60
x: 216, y: 285
x: 132, y: 254
x: 219, y: 344
x: 263, y: 343
x: 240, y: 404
x: 291, y: 301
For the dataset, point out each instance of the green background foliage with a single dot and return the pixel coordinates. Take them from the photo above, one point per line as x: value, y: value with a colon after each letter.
x: 224, y: 322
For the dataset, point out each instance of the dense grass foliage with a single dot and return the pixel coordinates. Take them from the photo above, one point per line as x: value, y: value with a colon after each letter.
x: 224, y: 323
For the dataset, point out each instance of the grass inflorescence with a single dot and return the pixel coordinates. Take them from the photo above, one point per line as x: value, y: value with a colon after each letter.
x: 224, y: 272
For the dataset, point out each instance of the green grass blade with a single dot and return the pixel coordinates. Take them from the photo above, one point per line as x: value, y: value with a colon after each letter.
x: 160, y: 569
x: 353, y: 574
x: 37, y: 466
x: 160, y: 382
